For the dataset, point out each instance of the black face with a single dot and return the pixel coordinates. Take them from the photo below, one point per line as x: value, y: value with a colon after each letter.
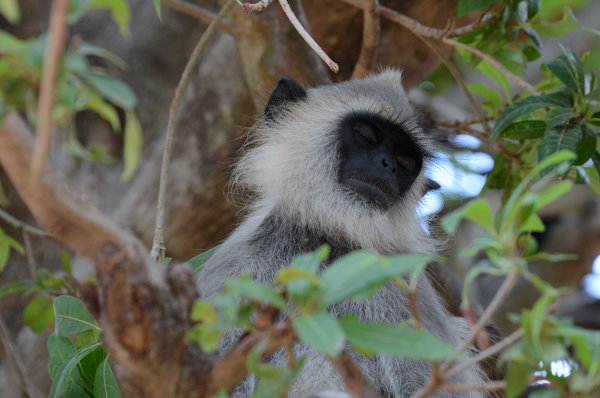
x: 380, y: 161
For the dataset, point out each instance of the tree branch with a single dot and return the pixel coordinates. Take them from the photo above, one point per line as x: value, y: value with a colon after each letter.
x: 444, y: 36
x: 352, y: 376
x: 370, y: 39
x: 158, y: 243
x: 56, y: 40
x: 261, y: 5
x: 30, y: 229
x: 415, y: 26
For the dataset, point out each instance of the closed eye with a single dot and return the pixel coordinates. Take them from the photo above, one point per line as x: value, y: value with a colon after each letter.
x: 365, y: 133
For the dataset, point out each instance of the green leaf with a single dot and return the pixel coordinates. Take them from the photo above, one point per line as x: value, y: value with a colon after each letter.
x: 132, y: 151
x: 371, y: 337
x: 88, y: 49
x: 321, y: 331
x: 521, y: 108
x: 197, y: 263
x: 158, y: 9
x: 525, y: 130
x: 255, y: 291
x: 6, y: 243
x: 499, y: 77
x: 119, y: 10
x: 105, y: 110
x: 204, y: 311
x: 467, y: 6
x: 477, y: 210
x: 59, y: 348
x: 484, y: 91
x: 559, y: 139
x: 569, y: 72
x: 38, y: 314
x: 587, y: 145
x: 565, y: 25
x: 358, y: 275
x: 10, y: 10
x: 105, y: 384
x: 552, y: 193
x: 111, y: 89
x: 71, y: 316
x: 64, y: 375
x: 533, y: 223
x: 517, y: 379
x: 26, y: 287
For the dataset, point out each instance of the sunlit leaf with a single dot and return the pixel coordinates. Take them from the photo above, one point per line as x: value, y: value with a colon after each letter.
x: 38, y: 314
x: 525, y: 130
x: 132, y: 148
x: 10, y: 10
x: 560, y: 28
x: 119, y: 9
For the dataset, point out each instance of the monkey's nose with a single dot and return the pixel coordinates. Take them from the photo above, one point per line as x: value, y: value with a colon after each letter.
x: 389, y: 164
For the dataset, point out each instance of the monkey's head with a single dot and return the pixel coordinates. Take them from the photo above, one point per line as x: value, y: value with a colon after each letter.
x: 347, y: 159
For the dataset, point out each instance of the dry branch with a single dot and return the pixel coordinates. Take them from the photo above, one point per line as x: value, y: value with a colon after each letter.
x: 261, y: 5
x: 352, y: 376
x: 256, y: 7
x: 158, y: 243
x: 307, y: 37
x: 415, y: 26
x: 56, y: 41
x: 370, y: 39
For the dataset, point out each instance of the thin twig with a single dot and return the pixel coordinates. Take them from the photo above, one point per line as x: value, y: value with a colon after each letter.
x: 412, y: 301
x: 257, y: 7
x: 504, y: 289
x: 458, y: 80
x: 370, y: 39
x: 352, y: 376
x: 158, y: 243
x: 56, y: 37
x: 483, y: 355
x: 512, y: 77
x: 306, y: 36
x: 491, y: 386
x: 445, y: 37
x: 194, y: 11
x: 417, y: 27
x: 27, y: 387
x: 29, y: 254
x: 14, y: 222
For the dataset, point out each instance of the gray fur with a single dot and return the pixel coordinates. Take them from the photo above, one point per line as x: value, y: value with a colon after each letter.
x: 292, y: 169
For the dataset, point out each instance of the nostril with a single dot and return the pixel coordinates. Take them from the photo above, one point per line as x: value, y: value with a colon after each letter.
x: 384, y: 162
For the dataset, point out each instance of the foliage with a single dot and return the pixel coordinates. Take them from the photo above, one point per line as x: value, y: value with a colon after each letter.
x: 83, y: 85
x: 303, y: 292
x: 81, y: 369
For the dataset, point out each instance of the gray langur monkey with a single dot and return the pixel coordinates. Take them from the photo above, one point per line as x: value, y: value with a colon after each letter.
x: 344, y: 165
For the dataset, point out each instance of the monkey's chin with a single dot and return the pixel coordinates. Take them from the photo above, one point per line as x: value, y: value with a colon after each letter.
x: 375, y: 195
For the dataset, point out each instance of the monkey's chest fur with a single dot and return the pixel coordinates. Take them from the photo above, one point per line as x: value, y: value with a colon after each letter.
x: 267, y: 246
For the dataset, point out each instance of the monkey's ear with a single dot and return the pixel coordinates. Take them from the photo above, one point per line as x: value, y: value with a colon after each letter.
x: 287, y: 90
